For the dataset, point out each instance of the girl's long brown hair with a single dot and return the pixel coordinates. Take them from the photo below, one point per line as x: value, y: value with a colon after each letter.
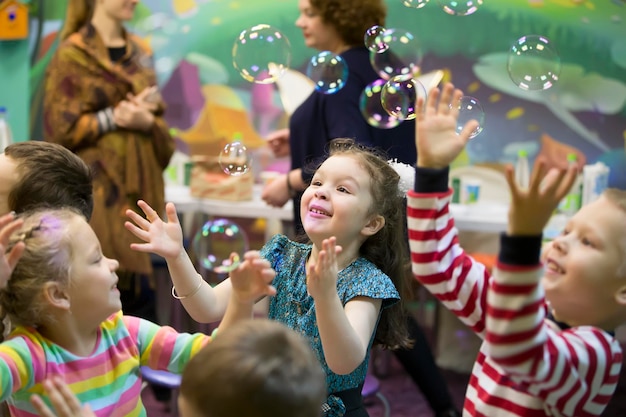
x: 78, y: 13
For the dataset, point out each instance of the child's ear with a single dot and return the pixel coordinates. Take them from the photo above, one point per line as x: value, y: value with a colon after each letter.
x: 373, y: 225
x: 56, y: 295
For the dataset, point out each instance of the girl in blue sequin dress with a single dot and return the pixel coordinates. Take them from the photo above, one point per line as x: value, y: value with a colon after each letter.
x: 341, y: 290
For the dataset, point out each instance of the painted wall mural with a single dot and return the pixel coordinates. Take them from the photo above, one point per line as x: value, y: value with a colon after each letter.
x: 208, y: 100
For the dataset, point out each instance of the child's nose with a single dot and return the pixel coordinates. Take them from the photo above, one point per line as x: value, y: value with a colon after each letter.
x: 321, y: 193
x: 114, y: 264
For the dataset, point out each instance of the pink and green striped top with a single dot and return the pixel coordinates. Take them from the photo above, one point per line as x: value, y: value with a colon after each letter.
x: 108, y: 379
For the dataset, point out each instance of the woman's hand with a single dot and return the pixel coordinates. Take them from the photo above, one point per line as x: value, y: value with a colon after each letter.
x: 164, y: 239
x: 278, y: 142
x: 132, y: 116
x: 275, y: 193
x: 148, y: 99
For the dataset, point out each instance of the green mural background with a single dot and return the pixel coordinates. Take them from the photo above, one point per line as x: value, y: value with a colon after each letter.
x: 208, y: 100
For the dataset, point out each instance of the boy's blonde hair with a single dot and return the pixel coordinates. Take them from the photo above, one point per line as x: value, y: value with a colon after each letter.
x: 47, y: 257
x: 618, y: 197
x: 257, y: 368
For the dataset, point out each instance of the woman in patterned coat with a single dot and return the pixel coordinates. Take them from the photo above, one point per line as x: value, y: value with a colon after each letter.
x: 101, y: 102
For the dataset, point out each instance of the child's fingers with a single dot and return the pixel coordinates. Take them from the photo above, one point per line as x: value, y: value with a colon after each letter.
x: 42, y: 409
x: 67, y: 396
x: 15, y: 254
x: 8, y: 229
x: 140, y: 233
x: 172, y: 215
x: 137, y: 219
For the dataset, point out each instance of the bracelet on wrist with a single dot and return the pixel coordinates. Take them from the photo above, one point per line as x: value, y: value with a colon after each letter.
x: 191, y: 294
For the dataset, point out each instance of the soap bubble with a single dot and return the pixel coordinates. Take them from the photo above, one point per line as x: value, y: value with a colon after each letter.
x: 372, y: 109
x: 460, y: 7
x: 214, y: 243
x: 402, y: 57
x: 415, y: 4
x: 470, y: 109
x: 372, y: 40
x: 533, y: 63
x: 399, y: 95
x: 234, y: 159
x: 328, y: 71
x: 261, y: 54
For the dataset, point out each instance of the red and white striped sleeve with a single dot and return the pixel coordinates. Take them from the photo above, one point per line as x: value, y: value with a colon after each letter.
x: 439, y: 262
x: 573, y: 370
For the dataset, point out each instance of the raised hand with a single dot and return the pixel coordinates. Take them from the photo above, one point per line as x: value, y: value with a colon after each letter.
x: 321, y: 277
x: 63, y: 400
x: 531, y: 208
x: 252, y: 279
x: 9, y: 259
x: 437, y: 141
x: 162, y: 238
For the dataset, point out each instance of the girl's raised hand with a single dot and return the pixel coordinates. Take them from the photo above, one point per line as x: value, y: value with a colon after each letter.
x: 252, y: 279
x: 321, y: 277
x: 8, y: 260
x: 436, y: 138
x: 63, y: 400
x: 164, y: 239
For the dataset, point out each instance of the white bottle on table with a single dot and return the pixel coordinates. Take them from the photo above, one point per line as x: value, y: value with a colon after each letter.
x: 522, y: 170
x: 6, y: 137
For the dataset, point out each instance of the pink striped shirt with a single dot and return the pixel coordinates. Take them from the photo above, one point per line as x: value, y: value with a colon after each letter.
x: 527, y: 364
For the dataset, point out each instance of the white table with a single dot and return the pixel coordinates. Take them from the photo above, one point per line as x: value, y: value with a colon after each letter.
x: 479, y: 217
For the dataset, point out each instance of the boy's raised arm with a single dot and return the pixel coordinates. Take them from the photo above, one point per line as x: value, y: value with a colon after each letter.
x: 438, y: 261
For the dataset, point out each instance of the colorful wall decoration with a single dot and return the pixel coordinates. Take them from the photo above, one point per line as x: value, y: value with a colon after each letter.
x: 208, y: 100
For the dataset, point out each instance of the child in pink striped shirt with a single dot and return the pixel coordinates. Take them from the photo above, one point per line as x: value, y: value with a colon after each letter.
x: 548, y: 347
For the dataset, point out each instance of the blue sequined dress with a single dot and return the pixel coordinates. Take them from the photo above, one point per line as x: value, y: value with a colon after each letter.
x: 294, y: 307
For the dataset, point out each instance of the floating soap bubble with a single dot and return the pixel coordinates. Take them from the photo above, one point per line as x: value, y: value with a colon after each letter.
x: 234, y: 159
x: 328, y: 71
x: 372, y: 40
x: 214, y: 243
x: 470, y: 109
x: 533, y: 63
x: 261, y: 54
x: 399, y: 95
x: 415, y: 4
x: 460, y: 7
x: 402, y: 57
x: 372, y: 108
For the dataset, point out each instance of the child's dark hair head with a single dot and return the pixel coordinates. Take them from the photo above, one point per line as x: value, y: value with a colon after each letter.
x: 387, y: 249
x: 50, y: 175
x: 257, y: 368
x: 46, y: 258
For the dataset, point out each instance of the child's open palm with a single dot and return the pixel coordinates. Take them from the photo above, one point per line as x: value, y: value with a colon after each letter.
x: 321, y: 277
x: 252, y: 279
x: 162, y: 238
x: 63, y: 401
x: 436, y: 138
x: 9, y: 259
x: 531, y: 208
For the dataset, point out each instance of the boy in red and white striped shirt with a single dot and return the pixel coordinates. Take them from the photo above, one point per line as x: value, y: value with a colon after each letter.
x: 547, y: 344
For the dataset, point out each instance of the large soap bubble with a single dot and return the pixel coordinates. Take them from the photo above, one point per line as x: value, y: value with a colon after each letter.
x: 533, y: 63
x: 403, y: 55
x: 214, y: 243
x: 261, y: 54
